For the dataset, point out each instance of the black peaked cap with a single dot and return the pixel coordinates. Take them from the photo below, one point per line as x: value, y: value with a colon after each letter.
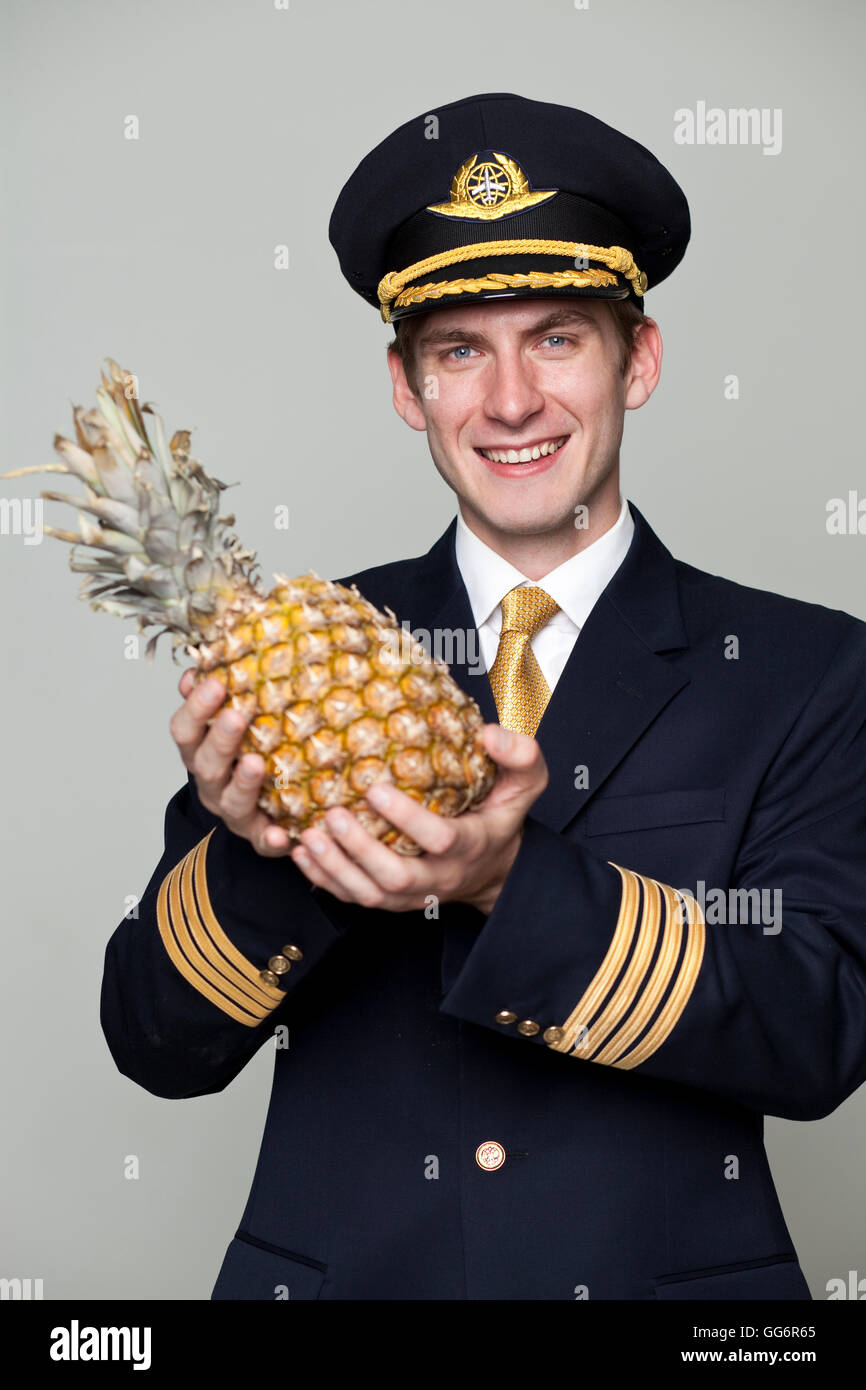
x: 489, y: 197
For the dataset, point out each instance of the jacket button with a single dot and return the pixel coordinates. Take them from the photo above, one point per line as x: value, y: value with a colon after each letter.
x: 529, y: 1028
x: 269, y: 977
x: 553, y: 1035
x: 490, y: 1156
x: 279, y: 965
x: 505, y: 1016
x: 293, y: 952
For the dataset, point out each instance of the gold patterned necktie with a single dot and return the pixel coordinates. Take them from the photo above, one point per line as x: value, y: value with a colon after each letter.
x: 519, y: 688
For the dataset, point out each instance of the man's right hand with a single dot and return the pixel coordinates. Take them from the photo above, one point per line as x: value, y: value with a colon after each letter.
x: 226, y: 787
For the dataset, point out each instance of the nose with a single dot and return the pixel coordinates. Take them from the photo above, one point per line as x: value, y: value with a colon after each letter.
x: 512, y: 395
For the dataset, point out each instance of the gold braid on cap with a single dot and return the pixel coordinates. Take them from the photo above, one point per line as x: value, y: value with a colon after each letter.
x: 392, y: 287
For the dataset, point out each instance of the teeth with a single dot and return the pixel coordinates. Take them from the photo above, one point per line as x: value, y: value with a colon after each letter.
x: 524, y: 455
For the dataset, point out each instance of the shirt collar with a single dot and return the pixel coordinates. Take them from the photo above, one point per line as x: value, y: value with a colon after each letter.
x: 575, y: 585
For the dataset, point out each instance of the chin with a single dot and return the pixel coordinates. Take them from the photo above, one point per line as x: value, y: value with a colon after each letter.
x: 520, y: 524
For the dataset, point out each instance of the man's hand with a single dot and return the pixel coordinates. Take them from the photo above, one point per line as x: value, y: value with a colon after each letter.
x: 209, y: 754
x: 467, y: 858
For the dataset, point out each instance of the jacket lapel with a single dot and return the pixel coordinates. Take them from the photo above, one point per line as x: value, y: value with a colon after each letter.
x: 615, y: 681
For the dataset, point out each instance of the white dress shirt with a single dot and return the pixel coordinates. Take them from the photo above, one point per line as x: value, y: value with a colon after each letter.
x: 575, y: 585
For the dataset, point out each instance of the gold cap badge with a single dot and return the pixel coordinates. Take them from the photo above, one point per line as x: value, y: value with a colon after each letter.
x: 488, y: 188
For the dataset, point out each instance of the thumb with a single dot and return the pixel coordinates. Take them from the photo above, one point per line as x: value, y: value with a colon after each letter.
x: 523, y: 771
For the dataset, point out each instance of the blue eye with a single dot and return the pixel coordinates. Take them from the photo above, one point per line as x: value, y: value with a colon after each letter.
x: 464, y: 347
x: 550, y: 336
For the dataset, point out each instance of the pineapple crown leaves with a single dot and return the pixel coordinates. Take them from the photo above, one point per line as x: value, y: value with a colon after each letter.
x: 153, y: 546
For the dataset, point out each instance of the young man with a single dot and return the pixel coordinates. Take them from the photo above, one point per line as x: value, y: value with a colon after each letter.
x: 550, y: 1083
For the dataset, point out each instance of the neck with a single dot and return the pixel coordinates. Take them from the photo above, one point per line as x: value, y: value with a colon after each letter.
x: 535, y: 554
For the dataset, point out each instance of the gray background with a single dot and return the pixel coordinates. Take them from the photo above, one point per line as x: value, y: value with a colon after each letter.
x: 159, y: 252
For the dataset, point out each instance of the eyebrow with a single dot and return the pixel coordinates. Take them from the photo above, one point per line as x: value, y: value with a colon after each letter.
x: 557, y: 318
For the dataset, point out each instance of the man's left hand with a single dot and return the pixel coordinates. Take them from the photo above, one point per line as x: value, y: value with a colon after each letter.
x: 466, y: 858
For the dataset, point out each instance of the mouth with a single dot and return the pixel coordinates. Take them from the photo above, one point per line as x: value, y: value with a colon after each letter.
x: 527, y: 459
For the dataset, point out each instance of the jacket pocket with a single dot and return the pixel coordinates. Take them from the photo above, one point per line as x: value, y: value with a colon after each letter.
x: 255, y: 1269
x: 654, y: 810
x: 771, y: 1278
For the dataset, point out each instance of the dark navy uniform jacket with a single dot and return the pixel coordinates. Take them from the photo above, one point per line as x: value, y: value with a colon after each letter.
x: 723, y: 735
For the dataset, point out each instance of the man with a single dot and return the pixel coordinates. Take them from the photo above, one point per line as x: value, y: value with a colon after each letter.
x: 528, y: 1063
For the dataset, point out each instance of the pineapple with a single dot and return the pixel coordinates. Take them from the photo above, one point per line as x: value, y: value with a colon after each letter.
x: 337, y: 695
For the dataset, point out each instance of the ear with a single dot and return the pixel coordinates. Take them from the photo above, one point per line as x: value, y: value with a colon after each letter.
x: 406, y: 403
x: 645, y: 367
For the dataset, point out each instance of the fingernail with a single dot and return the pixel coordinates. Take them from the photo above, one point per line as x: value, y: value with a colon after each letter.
x: 379, y: 796
x: 339, y: 821
x: 502, y: 738
x: 248, y: 771
x: 229, y: 721
x: 317, y: 845
x: 210, y: 689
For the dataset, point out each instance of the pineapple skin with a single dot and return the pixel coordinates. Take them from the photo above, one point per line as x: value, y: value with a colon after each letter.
x: 338, y: 698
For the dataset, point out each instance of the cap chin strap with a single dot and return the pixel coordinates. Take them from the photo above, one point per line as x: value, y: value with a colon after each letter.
x: 392, y: 286
x: 533, y: 280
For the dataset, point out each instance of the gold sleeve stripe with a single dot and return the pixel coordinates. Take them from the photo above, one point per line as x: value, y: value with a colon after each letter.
x: 184, y: 967
x: 226, y: 947
x: 680, y: 994
x: 630, y: 1008
x: 630, y: 983
x: 602, y: 981
x: 184, y: 928
x: 201, y: 952
x: 655, y: 985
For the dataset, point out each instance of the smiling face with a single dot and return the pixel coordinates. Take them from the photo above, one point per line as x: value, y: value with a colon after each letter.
x: 523, y: 404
